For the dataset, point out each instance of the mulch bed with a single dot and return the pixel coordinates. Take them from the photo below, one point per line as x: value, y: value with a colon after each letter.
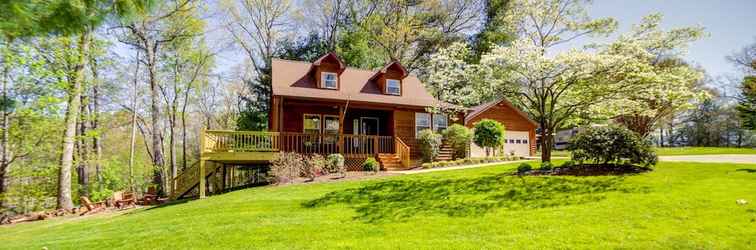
x: 590, y: 170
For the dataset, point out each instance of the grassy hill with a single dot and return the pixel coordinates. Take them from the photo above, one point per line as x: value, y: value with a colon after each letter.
x: 679, y: 205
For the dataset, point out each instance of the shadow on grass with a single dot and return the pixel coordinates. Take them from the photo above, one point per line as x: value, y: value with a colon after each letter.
x: 747, y: 170
x: 397, y: 200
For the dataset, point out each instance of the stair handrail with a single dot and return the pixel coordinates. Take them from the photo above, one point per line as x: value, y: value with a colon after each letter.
x: 403, y: 151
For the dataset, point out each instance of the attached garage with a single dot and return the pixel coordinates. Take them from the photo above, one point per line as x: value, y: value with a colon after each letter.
x: 520, y: 130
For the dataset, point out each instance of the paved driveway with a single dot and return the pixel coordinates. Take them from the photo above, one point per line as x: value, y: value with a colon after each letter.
x: 711, y: 158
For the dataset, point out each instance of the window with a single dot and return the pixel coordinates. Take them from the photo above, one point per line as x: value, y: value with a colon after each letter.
x: 311, y: 124
x: 422, y: 121
x: 331, y: 128
x: 330, y: 80
x: 440, y: 122
x: 356, y: 126
x: 393, y: 87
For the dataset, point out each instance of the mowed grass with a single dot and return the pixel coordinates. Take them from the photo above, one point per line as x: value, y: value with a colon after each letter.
x: 682, y: 151
x: 679, y: 205
x: 703, y: 151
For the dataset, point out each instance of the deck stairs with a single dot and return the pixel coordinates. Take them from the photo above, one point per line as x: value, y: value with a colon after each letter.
x: 445, y: 152
x: 187, y: 179
x: 390, y: 162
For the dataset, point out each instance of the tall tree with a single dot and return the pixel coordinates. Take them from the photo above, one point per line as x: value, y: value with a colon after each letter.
x: 256, y: 26
x: 746, y: 61
x: 149, y: 34
x: 493, y: 32
x: 678, y: 88
x: 187, y: 62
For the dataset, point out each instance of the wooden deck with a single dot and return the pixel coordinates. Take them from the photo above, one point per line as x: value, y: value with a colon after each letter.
x: 252, y: 147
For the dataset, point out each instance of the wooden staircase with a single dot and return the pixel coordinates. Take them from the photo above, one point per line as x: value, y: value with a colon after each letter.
x: 390, y: 162
x: 189, y: 179
x: 445, y: 153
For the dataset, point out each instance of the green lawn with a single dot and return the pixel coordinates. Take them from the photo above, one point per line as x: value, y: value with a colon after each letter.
x: 679, y: 205
x: 704, y: 151
x: 682, y: 151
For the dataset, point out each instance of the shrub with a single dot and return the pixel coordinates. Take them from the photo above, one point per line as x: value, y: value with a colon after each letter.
x: 335, y: 164
x: 371, y: 164
x: 489, y: 134
x: 429, y: 143
x: 315, y: 165
x: 524, y: 167
x: 567, y: 164
x: 458, y: 137
x: 546, y: 165
x: 426, y: 165
x: 286, y: 167
x: 468, y: 161
x: 611, y: 145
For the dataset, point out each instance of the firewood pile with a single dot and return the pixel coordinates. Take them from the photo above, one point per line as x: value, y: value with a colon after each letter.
x: 35, y: 216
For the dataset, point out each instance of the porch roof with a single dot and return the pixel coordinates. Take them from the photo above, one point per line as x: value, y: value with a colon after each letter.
x: 292, y: 78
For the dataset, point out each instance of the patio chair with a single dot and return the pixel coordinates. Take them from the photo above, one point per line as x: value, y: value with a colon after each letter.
x: 92, y: 207
x: 123, y: 199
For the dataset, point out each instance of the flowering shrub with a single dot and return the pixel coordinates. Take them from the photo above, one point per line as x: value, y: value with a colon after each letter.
x: 429, y: 143
x: 314, y: 166
x: 335, y: 164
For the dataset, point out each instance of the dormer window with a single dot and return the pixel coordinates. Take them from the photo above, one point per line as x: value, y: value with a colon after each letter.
x: 330, y: 80
x: 393, y: 87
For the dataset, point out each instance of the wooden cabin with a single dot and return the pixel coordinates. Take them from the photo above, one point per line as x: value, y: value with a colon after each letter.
x: 324, y: 107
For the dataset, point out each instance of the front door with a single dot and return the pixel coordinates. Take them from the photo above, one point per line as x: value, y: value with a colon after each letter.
x: 369, y: 125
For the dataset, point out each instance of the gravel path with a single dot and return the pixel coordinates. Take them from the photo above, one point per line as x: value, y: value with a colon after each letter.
x: 711, y: 158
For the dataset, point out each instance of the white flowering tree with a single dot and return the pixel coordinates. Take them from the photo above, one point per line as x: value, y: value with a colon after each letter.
x: 451, y: 79
x: 556, y: 86
x: 670, y: 87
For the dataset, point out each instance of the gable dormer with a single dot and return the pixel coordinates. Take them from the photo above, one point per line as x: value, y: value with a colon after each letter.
x: 390, y: 78
x: 327, y: 71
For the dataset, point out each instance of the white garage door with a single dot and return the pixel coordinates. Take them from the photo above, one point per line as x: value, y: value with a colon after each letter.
x: 516, y: 141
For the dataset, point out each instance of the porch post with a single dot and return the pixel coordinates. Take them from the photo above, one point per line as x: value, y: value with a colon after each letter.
x: 202, y: 164
x: 341, y: 129
x: 202, y: 178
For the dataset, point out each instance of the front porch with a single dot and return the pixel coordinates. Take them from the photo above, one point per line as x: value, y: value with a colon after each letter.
x: 220, y: 147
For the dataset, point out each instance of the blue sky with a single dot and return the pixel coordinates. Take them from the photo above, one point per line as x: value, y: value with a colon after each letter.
x: 731, y: 25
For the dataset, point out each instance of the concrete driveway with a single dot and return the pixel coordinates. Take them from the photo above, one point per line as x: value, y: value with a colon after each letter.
x: 711, y: 158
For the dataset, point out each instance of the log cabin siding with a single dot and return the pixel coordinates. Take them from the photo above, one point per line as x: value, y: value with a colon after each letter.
x: 404, y: 126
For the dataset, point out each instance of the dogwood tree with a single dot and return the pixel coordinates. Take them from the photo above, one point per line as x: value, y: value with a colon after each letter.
x: 671, y: 86
x: 553, y: 85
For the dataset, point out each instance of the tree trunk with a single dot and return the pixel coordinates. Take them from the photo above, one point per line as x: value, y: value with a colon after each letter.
x: 157, y: 137
x: 83, y: 152
x: 95, y: 112
x: 172, y: 146
x: 546, y: 143
x: 6, y: 126
x: 132, y: 144
x: 72, y: 113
